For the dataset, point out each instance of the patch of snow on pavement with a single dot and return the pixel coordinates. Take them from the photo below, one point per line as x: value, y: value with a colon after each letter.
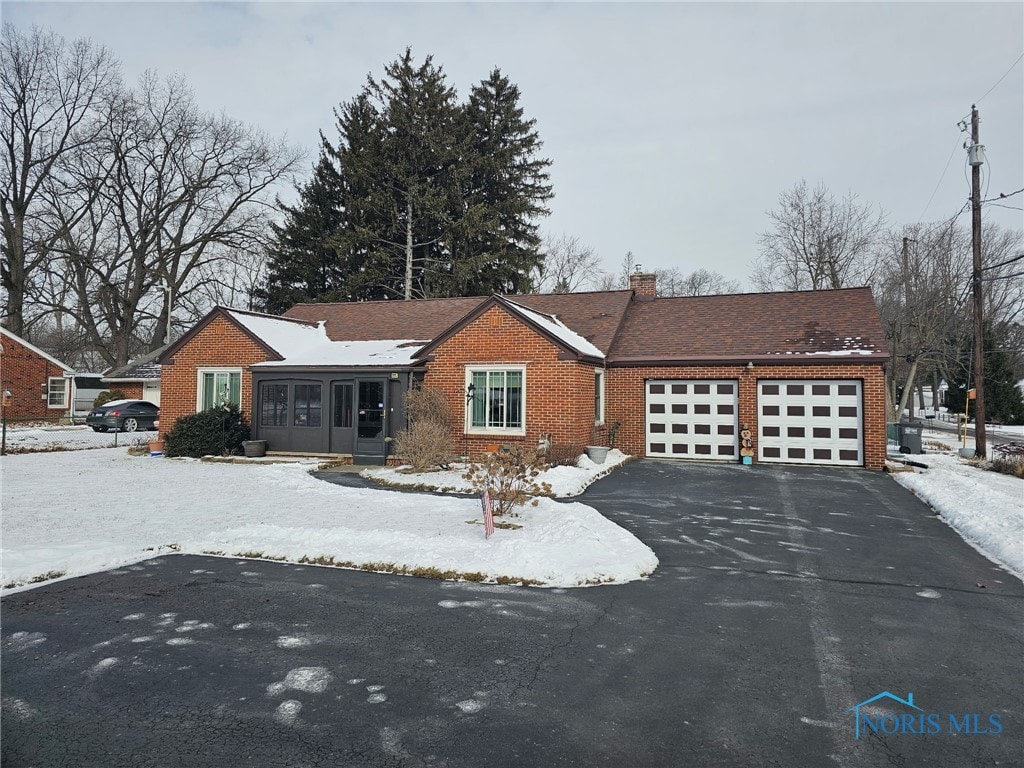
x: 564, y: 481
x: 306, y: 679
x: 67, y: 512
x: 985, y: 508
x: 288, y: 712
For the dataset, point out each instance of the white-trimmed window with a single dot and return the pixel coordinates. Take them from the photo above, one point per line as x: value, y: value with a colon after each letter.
x: 56, y: 392
x: 599, y: 397
x: 496, y: 399
x: 218, y: 386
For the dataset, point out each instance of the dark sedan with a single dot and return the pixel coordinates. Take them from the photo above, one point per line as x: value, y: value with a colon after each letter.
x: 123, y: 416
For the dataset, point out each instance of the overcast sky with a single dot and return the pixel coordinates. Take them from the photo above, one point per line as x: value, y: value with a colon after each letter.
x: 672, y: 127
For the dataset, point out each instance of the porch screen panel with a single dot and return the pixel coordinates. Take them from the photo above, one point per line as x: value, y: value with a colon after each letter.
x: 308, y: 405
x: 343, y: 406
x: 274, y: 405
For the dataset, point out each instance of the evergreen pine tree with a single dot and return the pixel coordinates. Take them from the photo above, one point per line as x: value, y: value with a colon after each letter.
x: 303, y: 264
x: 419, y: 197
x: 507, y: 191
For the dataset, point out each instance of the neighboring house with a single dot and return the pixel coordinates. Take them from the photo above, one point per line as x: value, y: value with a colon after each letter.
x: 681, y: 377
x: 139, y: 380
x: 35, y: 384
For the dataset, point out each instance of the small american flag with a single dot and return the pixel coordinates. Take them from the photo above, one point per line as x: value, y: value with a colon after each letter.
x: 485, y: 502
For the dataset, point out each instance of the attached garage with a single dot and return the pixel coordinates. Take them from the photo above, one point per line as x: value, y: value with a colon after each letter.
x: 695, y: 419
x: 811, y: 421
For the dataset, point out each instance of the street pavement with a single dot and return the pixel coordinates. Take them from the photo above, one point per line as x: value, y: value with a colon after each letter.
x: 784, y: 597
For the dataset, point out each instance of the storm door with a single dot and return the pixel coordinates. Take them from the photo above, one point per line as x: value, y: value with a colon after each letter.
x: 370, y: 418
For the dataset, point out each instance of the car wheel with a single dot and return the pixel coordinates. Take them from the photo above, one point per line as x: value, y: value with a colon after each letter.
x: 129, y: 425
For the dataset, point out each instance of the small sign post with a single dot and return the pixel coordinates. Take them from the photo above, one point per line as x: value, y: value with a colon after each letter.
x: 485, y: 502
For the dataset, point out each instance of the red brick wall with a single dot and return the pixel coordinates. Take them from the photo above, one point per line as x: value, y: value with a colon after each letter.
x: 24, y: 373
x: 625, y: 396
x: 559, y: 393
x: 219, y: 345
x: 132, y: 391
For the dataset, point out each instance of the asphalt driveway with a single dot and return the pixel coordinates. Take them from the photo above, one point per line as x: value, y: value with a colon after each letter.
x: 784, y: 597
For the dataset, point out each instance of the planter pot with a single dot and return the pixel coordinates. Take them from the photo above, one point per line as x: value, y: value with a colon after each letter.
x: 967, y: 453
x: 254, y: 449
x: 597, y: 453
x: 156, y: 447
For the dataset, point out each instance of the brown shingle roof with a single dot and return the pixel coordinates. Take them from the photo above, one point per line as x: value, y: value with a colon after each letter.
x: 595, y: 316
x: 817, y: 326
x: 372, y: 320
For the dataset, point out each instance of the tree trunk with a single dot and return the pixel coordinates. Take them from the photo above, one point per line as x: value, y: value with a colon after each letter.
x: 908, y: 390
x: 408, y: 250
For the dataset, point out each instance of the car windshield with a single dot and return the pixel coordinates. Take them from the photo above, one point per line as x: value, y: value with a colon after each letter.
x: 117, y: 403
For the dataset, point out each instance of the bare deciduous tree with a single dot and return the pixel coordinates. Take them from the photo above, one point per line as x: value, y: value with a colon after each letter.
x: 818, y: 241
x: 569, y: 266
x: 669, y: 282
x: 175, y: 193
x: 923, y: 294
x: 700, y: 282
x: 48, y: 91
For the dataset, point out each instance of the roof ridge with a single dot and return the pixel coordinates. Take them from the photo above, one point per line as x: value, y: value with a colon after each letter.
x: 37, y: 350
x: 251, y: 313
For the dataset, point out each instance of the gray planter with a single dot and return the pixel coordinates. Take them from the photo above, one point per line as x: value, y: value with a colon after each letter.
x: 967, y: 453
x: 254, y: 448
x: 597, y: 453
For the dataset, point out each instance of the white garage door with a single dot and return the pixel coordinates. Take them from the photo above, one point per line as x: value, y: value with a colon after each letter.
x: 810, y: 422
x: 693, y: 419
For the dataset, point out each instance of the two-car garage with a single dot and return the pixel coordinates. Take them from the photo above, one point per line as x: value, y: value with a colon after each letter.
x: 813, y: 421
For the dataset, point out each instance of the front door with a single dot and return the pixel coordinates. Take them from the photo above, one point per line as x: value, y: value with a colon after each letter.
x: 342, y: 428
x: 369, y: 442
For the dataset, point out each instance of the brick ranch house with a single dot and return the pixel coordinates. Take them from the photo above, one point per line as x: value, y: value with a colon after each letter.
x: 139, y: 379
x: 33, y: 384
x: 681, y: 377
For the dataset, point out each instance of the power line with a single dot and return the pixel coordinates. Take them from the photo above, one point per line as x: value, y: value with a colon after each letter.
x: 1003, y: 196
x: 1008, y: 207
x: 946, y: 168
x: 1004, y: 263
x: 978, y: 101
x: 1000, y: 277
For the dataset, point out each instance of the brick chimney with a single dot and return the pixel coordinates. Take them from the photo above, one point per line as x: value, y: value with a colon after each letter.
x: 643, y: 284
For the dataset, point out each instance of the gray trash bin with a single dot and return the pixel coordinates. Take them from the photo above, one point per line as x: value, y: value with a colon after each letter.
x: 910, y: 437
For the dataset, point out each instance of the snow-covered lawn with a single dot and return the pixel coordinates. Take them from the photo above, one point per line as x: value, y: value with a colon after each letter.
x: 564, y: 481
x: 79, y: 512
x: 985, y: 508
x: 69, y: 437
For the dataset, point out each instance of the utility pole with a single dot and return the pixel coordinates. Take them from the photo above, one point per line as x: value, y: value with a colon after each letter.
x: 170, y: 296
x: 976, y: 156
x: 908, y: 391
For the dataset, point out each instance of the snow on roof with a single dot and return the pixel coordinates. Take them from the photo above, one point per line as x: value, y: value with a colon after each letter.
x: 386, y: 352
x: 286, y: 337
x: 559, y: 330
